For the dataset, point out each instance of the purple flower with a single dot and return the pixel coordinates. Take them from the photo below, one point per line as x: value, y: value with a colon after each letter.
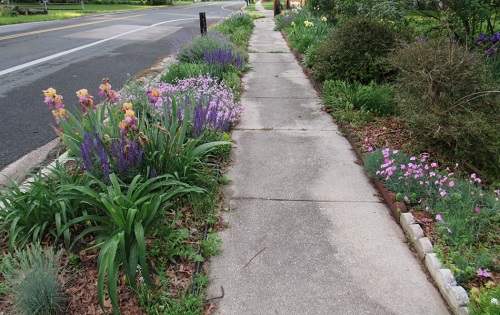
x: 490, y: 52
x: 127, y: 153
x: 482, y: 39
x: 495, y: 38
x: 92, y: 151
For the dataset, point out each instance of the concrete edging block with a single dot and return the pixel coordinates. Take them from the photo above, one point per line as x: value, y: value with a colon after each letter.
x: 455, y: 296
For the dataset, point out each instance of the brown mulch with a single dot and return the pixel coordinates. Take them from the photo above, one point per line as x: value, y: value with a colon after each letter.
x: 81, y: 288
x: 385, y: 132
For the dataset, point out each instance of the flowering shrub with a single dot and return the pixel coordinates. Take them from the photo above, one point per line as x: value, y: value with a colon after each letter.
x: 212, y: 103
x: 466, y: 216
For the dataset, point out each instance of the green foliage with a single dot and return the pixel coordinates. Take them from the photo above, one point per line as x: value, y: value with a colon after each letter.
x: 7, y: 12
x: 304, y: 30
x: 33, y: 275
x: 322, y: 8
x: 355, y: 51
x: 466, y: 19
x: 486, y: 300
x: 343, y: 96
x: 392, y: 10
x: 179, y: 71
x: 238, y: 27
x: 171, y: 151
x: 39, y: 207
x: 211, y: 246
x: 451, y: 104
x: 125, y: 215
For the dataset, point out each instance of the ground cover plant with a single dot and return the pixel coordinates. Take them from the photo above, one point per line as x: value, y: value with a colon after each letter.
x: 428, y: 136
x: 134, y: 203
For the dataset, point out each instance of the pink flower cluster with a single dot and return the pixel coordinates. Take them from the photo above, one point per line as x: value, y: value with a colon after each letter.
x: 483, y: 273
x: 216, y: 98
x: 418, y: 173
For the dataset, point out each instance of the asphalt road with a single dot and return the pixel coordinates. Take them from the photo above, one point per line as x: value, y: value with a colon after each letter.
x: 73, y: 54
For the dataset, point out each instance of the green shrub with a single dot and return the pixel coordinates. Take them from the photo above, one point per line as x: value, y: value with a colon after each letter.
x: 445, y: 93
x: 33, y: 275
x: 355, y: 51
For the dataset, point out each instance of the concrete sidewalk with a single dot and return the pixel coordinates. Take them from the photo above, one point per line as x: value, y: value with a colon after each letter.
x: 307, y: 232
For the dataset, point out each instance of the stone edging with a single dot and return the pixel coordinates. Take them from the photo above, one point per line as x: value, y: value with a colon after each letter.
x: 455, y: 296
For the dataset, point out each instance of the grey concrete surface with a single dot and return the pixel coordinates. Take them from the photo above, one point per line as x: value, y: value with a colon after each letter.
x: 272, y: 113
x: 18, y: 170
x: 307, y: 233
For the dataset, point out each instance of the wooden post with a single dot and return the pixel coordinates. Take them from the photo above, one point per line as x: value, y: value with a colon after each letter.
x: 203, y: 23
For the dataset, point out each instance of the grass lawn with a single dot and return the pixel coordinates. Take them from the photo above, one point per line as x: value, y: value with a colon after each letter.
x: 62, y: 11
x: 268, y: 5
x: 250, y: 7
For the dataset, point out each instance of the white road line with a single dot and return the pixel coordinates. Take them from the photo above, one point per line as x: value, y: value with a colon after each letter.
x: 41, y: 60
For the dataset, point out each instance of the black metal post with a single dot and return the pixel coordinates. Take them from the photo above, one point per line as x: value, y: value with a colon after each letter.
x: 203, y: 23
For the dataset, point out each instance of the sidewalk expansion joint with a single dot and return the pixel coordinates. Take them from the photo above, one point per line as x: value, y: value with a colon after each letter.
x: 280, y: 97
x: 284, y: 129
x: 304, y: 200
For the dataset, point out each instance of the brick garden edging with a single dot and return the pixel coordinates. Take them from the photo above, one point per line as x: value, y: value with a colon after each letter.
x: 455, y: 296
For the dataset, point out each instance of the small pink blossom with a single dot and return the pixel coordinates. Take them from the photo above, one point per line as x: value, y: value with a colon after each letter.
x: 483, y: 273
x: 439, y: 218
x: 451, y: 183
x: 442, y: 193
x: 477, y: 209
x: 370, y: 149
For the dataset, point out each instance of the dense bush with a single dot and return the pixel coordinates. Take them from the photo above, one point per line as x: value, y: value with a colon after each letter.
x: 447, y: 95
x: 355, y: 51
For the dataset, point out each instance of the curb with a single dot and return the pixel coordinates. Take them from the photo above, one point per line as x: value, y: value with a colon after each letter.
x: 455, y: 296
